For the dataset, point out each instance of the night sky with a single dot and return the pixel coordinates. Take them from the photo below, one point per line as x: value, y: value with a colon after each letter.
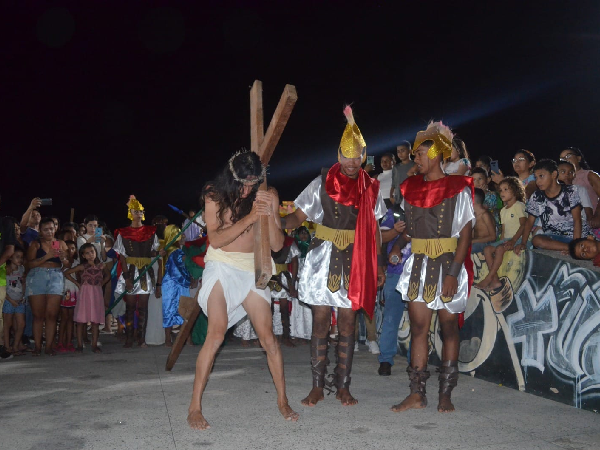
x: 101, y: 100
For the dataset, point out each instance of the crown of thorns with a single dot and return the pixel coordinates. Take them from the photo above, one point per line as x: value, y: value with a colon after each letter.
x: 251, y: 179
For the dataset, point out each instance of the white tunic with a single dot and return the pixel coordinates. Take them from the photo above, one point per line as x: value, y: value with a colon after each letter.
x: 463, y: 214
x: 312, y: 288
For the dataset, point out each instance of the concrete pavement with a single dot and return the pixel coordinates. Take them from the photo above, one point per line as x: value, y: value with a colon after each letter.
x: 124, y: 399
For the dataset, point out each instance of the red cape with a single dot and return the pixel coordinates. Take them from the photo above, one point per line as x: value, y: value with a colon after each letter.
x: 140, y: 234
x: 427, y: 194
x: 362, y: 194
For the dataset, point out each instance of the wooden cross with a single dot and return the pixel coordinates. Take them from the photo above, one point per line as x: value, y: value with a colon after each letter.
x: 264, y: 145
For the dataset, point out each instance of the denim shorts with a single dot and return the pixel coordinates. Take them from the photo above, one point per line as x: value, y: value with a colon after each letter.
x: 8, y: 308
x: 44, y: 281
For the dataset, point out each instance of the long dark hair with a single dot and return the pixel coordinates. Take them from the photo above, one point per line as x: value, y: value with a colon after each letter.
x: 582, y: 163
x: 83, y: 248
x: 226, y: 191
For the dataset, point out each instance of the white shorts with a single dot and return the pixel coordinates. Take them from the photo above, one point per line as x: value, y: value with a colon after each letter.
x: 236, y: 284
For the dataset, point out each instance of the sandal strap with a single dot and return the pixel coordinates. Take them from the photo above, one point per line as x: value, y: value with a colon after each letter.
x: 418, y: 380
x: 448, y: 377
x: 318, y: 360
x: 345, y: 355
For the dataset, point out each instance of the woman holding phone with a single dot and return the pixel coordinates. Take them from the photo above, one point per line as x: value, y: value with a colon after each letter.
x: 45, y: 283
x: 93, y: 235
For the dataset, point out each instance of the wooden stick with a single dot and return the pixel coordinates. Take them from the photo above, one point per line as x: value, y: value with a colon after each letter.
x: 189, y: 309
x: 72, y: 217
x: 264, y: 145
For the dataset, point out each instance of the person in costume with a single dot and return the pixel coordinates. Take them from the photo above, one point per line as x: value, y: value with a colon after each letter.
x: 177, y: 282
x: 301, y: 315
x: 345, y: 204
x: 136, y: 245
x: 233, y: 204
x: 439, y: 273
x: 283, y: 284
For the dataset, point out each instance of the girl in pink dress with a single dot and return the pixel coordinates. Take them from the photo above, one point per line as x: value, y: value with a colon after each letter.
x: 90, y: 302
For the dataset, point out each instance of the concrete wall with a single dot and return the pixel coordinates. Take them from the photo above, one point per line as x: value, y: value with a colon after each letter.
x: 540, y: 334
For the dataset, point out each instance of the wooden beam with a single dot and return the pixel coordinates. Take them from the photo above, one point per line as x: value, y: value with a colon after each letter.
x: 278, y: 122
x: 189, y: 309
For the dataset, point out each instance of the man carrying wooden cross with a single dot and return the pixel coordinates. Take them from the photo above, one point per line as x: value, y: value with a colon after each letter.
x: 343, y: 266
x: 233, y: 205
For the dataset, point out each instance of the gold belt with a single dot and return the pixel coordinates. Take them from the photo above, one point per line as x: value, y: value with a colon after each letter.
x: 140, y: 263
x: 433, y: 248
x: 280, y: 268
x: 340, y: 238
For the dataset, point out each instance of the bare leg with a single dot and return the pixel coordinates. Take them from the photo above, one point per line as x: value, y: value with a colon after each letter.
x: 449, y: 325
x: 62, y: 327
x: 284, y: 310
x: 259, y: 314
x: 52, y: 310
x: 80, y: 331
x: 217, y: 327
x: 495, y: 261
x: 95, y: 333
x: 69, y: 332
x: 488, y: 252
x: 19, y: 326
x: 320, y: 329
x: 143, y: 319
x: 38, y: 308
x: 346, y: 325
x: 420, y: 321
x: 130, y: 302
x: 7, y: 320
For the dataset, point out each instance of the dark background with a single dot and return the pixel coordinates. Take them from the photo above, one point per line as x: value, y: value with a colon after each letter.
x: 101, y: 100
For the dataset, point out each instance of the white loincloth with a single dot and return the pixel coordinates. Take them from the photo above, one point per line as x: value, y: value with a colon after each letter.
x: 237, y: 283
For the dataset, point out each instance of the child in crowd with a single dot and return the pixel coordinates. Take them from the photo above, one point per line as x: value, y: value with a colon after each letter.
x: 90, y: 303
x: 385, y: 177
x: 67, y: 304
x: 458, y: 163
x: 513, y: 217
x: 558, y: 208
x: 566, y: 175
x: 585, y: 248
x: 492, y: 202
x: 484, y: 231
x: 13, y: 310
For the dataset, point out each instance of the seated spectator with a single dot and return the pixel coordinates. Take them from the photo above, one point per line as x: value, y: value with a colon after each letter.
x: 458, y: 163
x: 585, y: 177
x: 30, y: 222
x: 585, y: 248
x: 523, y: 163
x: 484, y: 231
x: 385, y: 177
x: 559, y: 209
x: 513, y: 218
x: 492, y: 201
x: 566, y: 174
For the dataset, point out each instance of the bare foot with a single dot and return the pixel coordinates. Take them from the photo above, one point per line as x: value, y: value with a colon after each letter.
x: 197, y: 421
x: 168, y: 343
x: 344, y: 396
x: 50, y: 352
x: 96, y: 350
x: 143, y: 345
x: 36, y: 352
x: 313, y: 397
x: 288, y: 413
x: 245, y: 343
x: 483, y: 283
x: 445, y: 404
x: 413, y: 401
x: 494, y: 286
